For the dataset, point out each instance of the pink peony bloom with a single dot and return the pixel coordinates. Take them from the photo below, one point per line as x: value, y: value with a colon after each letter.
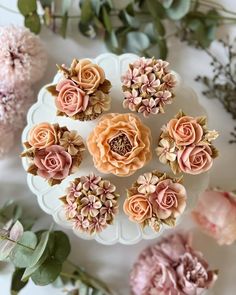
x: 195, y: 159
x: 132, y: 99
x: 53, y: 162
x: 169, y: 199
x: 71, y: 99
x: 215, y: 213
x: 171, y: 267
x: 22, y: 56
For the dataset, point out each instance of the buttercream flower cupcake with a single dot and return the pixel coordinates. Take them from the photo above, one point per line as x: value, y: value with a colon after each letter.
x: 54, y: 152
x: 90, y: 203
x: 120, y: 144
x: 148, y: 86
x: 186, y: 145
x: 83, y: 91
x: 155, y: 199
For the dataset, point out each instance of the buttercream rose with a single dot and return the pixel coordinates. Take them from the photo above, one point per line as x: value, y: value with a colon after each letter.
x: 169, y: 199
x: 138, y: 208
x: 87, y: 75
x: 195, y: 159
x: 215, y: 213
x: 185, y: 131
x: 70, y: 99
x: 42, y: 136
x: 53, y: 162
x: 119, y: 144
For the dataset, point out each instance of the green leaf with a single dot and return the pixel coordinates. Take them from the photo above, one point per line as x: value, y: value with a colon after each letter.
x: 128, y: 19
x: 159, y: 28
x: 46, y: 3
x: 163, y: 49
x: 31, y: 269
x: 167, y: 3
x: 17, y: 213
x: 26, y: 7
x: 106, y: 20
x: 33, y: 23
x: 21, y: 256
x: 61, y: 246
x: 64, y: 23
x: 16, y: 283
x: 86, y: 11
x: 112, y: 42
x: 87, y: 30
x: 137, y: 42
x: 156, y: 9
x: 178, y: 9
x: 96, y: 6
x: 47, y: 272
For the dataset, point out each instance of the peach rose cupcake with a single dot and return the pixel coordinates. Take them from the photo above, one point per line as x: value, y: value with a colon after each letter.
x: 186, y: 145
x: 120, y: 144
x: 155, y: 199
x: 54, y: 152
x: 83, y: 91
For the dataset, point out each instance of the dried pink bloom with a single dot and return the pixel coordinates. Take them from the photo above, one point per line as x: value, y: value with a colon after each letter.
x: 90, y: 182
x: 22, y: 56
x: 171, y: 267
x: 148, y: 107
x: 169, y: 81
x: 132, y: 99
x: 147, y: 183
x: 90, y: 205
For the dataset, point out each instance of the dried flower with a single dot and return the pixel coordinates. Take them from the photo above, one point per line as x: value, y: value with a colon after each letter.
x: 100, y: 102
x: 72, y: 142
x: 96, y: 203
x: 166, y: 151
x: 148, y: 86
x: 22, y: 56
x: 171, y: 266
x: 155, y: 199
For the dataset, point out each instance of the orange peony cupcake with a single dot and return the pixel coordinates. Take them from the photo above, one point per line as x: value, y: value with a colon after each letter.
x: 120, y: 144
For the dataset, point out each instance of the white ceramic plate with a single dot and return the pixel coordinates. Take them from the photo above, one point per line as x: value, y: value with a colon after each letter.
x: 122, y: 231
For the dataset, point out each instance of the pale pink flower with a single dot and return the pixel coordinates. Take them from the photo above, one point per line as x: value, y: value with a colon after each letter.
x: 143, y: 65
x: 161, y: 65
x: 163, y: 97
x: 169, y: 81
x: 149, y: 83
x: 73, y: 191
x: 132, y: 99
x: 98, y: 224
x: 166, y: 151
x: 71, y: 209
x: 148, y: 107
x: 215, y: 213
x: 109, y: 209
x: 81, y: 223
x: 129, y: 77
x: 90, y: 182
x: 106, y: 190
x: 90, y: 205
x: 147, y: 183
x: 22, y: 56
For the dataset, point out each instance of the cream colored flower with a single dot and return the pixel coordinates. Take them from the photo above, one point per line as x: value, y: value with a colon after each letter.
x: 72, y: 142
x: 100, y: 101
x: 166, y: 151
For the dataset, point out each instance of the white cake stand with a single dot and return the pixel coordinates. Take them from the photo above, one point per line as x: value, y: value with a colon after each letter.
x: 122, y: 231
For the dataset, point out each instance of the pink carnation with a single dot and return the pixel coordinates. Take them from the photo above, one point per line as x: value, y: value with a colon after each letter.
x: 171, y: 267
x: 22, y: 56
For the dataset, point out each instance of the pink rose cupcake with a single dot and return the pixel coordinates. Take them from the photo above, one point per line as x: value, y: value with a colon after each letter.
x: 155, y: 199
x: 186, y: 145
x: 54, y: 152
x: 83, y: 92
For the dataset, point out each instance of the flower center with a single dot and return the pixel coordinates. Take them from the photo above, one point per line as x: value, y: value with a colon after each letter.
x: 120, y: 144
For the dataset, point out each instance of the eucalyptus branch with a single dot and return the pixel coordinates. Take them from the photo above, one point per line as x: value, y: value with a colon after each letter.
x: 2, y: 237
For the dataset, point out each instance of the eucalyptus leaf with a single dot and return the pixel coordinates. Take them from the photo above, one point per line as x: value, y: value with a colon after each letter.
x: 21, y: 256
x: 17, y: 213
x: 167, y: 3
x: 64, y: 23
x: 106, y: 20
x: 86, y: 11
x: 178, y: 9
x: 159, y: 27
x: 47, y: 272
x: 137, y: 42
x: 26, y: 7
x: 32, y: 22
x: 112, y: 42
x: 156, y: 9
x: 61, y: 246
x: 16, y: 283
x: 96, y: 6
x: 31, y: 269
x: 128, y: 19
x: 87, y: 30
x: 46, y: 3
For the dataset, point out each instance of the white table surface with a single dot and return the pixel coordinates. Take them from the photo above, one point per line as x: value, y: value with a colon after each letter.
x: 113, y: 263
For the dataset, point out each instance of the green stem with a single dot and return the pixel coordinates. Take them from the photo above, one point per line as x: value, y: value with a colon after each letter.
x: 68, y: 275
x: 16, y: 242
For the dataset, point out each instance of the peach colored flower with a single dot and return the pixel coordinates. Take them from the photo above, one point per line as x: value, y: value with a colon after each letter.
x: 120, y: 144
x: 169, y: 199
x: 195, y: 159
x: 215, y: 213
x: 87, y: 75
x: 42, y: 135
x: 53, y: 162
x: 138, y: 208
x: 185, y: 131
x: 71, y: 99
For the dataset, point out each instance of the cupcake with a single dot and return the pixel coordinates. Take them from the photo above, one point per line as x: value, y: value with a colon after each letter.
x: 119, y: 144
x: 54, y: 152
x: 186, y: 145
x: 155, y: 199
x: 83, y: 91
x: 148, y: 86
x: 90, y: 203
